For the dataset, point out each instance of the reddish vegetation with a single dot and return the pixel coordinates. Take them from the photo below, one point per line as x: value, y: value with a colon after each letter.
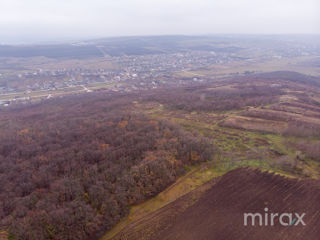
x: 70, y: 168
x: 254, y: 124
x: 211, y: 98
x: 218, y: 214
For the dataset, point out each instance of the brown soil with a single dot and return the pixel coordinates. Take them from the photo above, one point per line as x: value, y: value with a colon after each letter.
x: 218, y: 213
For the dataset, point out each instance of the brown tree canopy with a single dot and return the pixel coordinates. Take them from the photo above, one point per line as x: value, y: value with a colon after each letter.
x: 70, y: 168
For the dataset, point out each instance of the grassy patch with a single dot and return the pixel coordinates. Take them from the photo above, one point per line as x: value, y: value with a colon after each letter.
x: 196, y: 176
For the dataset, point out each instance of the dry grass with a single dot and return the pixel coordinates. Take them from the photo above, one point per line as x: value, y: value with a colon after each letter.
x: 254, y: 124
x: 241, y: 141
x: 285, y: 64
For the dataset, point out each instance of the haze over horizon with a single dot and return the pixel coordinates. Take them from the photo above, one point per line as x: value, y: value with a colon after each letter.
x: 37, y: 21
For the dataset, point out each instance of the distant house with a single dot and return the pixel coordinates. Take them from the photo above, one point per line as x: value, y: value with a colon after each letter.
x: 4, y: 103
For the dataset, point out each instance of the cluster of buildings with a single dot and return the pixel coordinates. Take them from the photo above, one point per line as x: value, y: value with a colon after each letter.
x: 143, y: 71
x: 133, y: 72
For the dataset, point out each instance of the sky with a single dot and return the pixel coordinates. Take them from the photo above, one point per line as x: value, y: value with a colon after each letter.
x: 27, y: 21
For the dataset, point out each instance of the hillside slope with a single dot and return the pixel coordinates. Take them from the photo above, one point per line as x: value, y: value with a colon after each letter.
x: 219, y: 213
x: 70, y: 168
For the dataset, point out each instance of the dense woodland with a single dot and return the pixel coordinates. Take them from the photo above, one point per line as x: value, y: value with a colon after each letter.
x: 206, y: 98
x: 70, y: 168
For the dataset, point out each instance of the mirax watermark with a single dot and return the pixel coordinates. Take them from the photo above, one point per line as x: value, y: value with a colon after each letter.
x: 271, y: 219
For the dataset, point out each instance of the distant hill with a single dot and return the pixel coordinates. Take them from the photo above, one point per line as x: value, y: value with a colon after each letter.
x: 50, y: 51
x: 120, y: 46
x: 141, y: 45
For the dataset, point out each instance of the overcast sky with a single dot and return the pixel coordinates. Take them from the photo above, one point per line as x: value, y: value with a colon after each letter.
x: 55, y: 20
